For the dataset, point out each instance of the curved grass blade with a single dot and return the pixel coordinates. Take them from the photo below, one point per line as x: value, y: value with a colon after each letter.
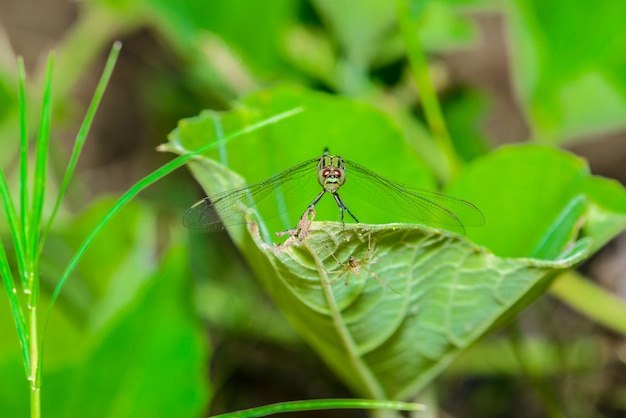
x: 147, y: 181
x: 322, y: 404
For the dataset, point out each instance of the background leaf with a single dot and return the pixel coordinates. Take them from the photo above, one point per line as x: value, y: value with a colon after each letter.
x: 532, y: 196
x: 569, y: 92
x: 159, y: 351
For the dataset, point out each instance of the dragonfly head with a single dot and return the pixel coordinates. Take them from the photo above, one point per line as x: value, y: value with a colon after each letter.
x: 331, y: 172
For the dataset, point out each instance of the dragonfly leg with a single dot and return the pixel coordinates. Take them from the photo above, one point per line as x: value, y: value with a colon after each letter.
x: 314, y: 202
x: 312, y: 205
x: 343, y: 208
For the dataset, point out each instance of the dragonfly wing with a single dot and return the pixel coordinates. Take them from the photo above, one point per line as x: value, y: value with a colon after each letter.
x: 202, y: 215
x: 422, y: 206
x: 464, y: 211
x: 230, y: 207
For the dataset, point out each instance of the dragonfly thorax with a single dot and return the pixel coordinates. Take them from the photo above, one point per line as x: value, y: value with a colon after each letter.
x: 331, y: 173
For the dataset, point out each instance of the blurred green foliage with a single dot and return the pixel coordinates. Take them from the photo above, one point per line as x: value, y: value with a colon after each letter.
x: 571, y: 80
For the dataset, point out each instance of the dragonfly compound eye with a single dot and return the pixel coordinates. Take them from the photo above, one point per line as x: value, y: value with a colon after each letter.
x: 333, y: 174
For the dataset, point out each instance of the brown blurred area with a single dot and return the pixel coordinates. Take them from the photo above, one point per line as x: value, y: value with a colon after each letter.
x: 120, y: 148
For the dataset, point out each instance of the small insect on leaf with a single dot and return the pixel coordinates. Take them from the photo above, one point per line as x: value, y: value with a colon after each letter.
x: 354, y: 266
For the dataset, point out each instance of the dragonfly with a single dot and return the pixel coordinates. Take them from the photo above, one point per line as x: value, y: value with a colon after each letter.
x: 330, y: 174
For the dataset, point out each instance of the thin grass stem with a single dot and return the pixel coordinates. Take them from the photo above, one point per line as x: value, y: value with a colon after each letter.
x: 409, y: 30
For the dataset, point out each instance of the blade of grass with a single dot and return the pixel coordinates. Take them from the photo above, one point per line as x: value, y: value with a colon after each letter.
x: 39, y: 182
x: 82, y: 134
x: 7, y: 276
x: 319, y: 404
x: 147, y: 181
x: 17, y: 231
x: 24, y: 214
x: 408, y: 22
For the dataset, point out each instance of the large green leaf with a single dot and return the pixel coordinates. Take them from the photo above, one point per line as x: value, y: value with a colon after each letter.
x: 387, y: 340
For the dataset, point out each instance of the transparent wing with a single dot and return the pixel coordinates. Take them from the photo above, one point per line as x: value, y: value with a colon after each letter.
x: 421, y: 206
x: 229, y: 207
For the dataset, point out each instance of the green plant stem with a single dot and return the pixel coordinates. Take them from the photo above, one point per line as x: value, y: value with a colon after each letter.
x: 409, y: 30
x: 591, y: 300
x: 35, y: 364
x: 16, y: 308
x: 35, y: 401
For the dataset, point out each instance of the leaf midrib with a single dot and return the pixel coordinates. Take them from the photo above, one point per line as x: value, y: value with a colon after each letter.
x: 371, y: 383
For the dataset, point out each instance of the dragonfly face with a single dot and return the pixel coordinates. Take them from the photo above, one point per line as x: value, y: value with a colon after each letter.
x: 331, y: 173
